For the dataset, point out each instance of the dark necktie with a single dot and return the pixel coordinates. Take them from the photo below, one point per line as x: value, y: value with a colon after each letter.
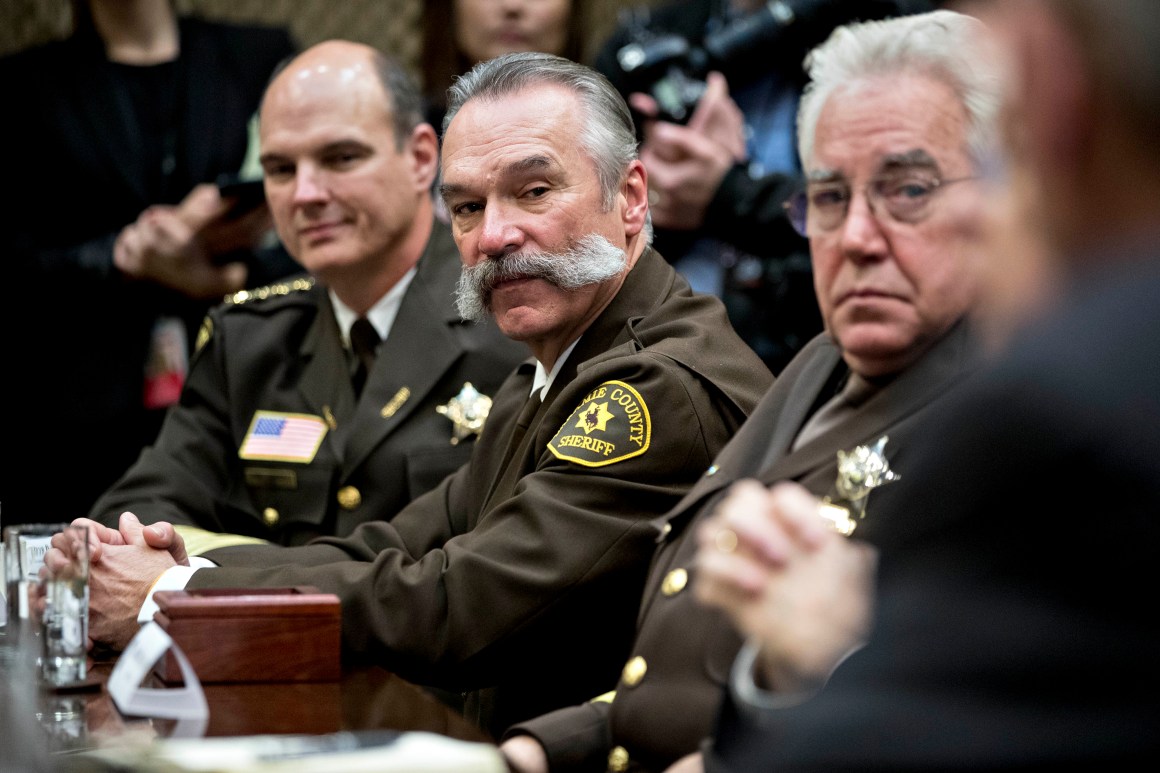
x: 840, y: 408
x: 363, y: 340
x: 523, y: 421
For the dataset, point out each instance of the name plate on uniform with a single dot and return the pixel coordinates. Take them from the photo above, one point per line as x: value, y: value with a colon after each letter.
x: 252, y: 634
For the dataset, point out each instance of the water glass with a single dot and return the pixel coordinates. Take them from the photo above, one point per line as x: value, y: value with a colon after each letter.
x: 52, y: 607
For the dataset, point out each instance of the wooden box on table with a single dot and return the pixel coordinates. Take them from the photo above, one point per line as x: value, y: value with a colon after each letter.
x: 252, y: 634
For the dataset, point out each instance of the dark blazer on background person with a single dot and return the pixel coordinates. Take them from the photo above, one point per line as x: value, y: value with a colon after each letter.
x: 76, y: 365
x: 535, y: 552
x: 675, y: 675
x: 1015, y: 625
x: 284, y: 353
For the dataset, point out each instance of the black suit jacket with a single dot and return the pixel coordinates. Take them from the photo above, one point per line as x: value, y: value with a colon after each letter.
x: 1016, y: 625
x: 686, y: 649
x: 284, y: 353
x: 76, y: 170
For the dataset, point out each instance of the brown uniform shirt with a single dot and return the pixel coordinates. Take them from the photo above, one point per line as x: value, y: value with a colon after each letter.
x: 281, y: 355
x: 520, y: 576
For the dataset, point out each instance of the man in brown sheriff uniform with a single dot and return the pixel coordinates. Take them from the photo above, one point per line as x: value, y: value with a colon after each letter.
x: 537, y: 548
x: 895, y: 277
x: 1014, y: 622
x: 276, y: 360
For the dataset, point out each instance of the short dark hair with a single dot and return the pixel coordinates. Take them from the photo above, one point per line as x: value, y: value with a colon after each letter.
x: 403, y: 93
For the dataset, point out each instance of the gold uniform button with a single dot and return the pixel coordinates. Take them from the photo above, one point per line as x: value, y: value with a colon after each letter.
x: 634, y: 671
x: 675, y: 582
x: 618, y: 760
x: 270, y: 516
x: 349, y: 497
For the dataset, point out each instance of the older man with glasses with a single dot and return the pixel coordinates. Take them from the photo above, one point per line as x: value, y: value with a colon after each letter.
x: 895, y: 113
x: 1015, y: 615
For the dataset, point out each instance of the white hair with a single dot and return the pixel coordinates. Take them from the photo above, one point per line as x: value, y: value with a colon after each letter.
x: 940, y: 44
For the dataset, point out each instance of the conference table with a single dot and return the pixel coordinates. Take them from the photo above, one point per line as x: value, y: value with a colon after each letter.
x: 364, y: 698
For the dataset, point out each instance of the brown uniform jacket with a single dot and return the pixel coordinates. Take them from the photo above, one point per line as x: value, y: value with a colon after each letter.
x: 673, y: 679
x: 521, y: 573
x: 282, y: 354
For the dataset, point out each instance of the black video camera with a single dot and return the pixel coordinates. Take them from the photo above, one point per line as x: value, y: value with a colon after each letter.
x: 777, y: 36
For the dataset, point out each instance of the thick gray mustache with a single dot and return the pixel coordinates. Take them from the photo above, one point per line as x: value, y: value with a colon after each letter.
x: 593, y: 259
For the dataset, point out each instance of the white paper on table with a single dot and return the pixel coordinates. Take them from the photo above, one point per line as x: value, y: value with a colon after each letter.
x: 124, y: 685
x: 372, y: 751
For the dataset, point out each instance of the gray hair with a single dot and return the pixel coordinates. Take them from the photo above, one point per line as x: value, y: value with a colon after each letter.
x: 608, y: 135
x: 940, y: 44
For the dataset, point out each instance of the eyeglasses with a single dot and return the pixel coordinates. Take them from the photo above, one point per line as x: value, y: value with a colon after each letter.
x: 822, y: 206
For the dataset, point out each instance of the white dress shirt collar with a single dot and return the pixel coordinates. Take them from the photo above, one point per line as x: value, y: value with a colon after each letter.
x: 542, y: 381
x: 381, y: 315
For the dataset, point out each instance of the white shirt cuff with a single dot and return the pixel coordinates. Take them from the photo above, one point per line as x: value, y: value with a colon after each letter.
x: 745, y: 690
x: 174, y: 578
x: 750, y: 697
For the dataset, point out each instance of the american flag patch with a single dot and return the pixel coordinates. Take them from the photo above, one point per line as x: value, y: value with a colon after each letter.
x: 283, y: 437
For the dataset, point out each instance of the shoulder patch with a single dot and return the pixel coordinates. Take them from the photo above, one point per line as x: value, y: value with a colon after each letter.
x: 301, y: 284
x: 611, y: 424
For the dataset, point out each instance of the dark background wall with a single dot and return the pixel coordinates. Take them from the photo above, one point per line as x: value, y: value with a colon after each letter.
x: 391, y: 25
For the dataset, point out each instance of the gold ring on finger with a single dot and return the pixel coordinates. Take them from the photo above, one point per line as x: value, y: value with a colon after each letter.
x: 725, y: 540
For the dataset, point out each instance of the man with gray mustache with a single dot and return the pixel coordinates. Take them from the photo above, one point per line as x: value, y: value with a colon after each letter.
x: 592, y: 260
x: 536, y: 551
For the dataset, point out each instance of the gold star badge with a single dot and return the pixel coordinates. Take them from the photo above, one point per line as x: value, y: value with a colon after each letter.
x: 467, y: 411
x: 860, y: 471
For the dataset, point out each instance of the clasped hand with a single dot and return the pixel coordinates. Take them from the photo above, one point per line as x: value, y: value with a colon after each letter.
x: 799, y: 590
x: 124, y: 564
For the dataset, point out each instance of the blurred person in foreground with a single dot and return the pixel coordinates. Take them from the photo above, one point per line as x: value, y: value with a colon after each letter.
x: 282, y: 433
x: 119, y: 239
x: 1013, y: 625
x: 537, y: 548
x: 893, y: 132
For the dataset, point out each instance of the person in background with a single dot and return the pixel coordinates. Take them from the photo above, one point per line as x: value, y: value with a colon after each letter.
x: 458, y: 34
x: 537, y: 548
x: 895, y: 248
x: 348, y: 165
x: 115, y: 137
x: 720, y: 172
x: 1013, y: 624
